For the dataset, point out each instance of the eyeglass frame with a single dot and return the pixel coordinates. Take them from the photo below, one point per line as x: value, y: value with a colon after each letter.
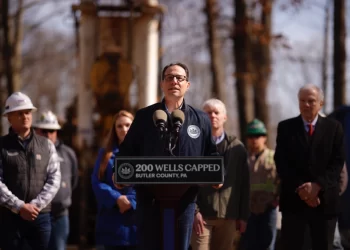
x: 167, y: 79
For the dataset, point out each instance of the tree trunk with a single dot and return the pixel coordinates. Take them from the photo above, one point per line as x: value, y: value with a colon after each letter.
x: 243, y: 66
x: 7, y: 48
x: 12, y: 49
x: 214, y: 45
x: 17, y: 47
x: 339, y: 55
x: 325, y: 55
x: 262, y: 64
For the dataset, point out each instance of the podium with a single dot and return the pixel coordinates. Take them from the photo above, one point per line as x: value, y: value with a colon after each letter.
x: 160, y: 174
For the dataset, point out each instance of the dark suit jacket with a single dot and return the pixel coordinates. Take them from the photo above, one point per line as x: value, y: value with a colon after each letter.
x: 300, y: 158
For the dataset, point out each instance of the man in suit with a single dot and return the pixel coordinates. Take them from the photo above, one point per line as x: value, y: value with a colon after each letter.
x: 309, y: 157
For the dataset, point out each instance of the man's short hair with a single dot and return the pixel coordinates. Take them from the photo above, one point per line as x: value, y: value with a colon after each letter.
x: 215, y: 103
x: 311, y: 86
x: 182, y: 65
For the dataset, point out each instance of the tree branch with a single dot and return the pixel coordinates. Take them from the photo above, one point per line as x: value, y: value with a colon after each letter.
x: 44, y: 19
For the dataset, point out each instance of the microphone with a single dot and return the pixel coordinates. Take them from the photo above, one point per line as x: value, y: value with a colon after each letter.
x: 160, y: 119
x: 177, y: 118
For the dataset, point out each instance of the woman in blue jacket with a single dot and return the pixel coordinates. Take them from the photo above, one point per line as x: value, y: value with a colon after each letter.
x: 115, y: 222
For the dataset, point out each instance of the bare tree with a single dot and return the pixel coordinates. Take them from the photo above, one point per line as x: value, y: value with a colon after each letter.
x: 244, y: 88
x: 48, y: 69
x: 16, y: 44
x: 262, y: 61
x: 7, y: 46
x: 214, y: 45
x: 187, y: 43
x: 13, y: 37
x: 325, y: 54
x: 339, y: 55
x: 13, y: 34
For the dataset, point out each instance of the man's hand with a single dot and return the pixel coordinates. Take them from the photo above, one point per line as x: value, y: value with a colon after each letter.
x: 218, y: 186
x: 123, y: 204
x: 313, y: 202
x: 29, y: 212
x: 198, y: 224
x: 241, y: 225
x: 308, y: 190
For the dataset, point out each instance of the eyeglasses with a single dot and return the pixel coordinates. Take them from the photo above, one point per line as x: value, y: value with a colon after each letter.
x: 179, y: 78
x: 47, y: 131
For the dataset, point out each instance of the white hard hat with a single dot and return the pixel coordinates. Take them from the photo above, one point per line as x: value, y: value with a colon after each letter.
x: 47, y: 120
x: 18, y: 101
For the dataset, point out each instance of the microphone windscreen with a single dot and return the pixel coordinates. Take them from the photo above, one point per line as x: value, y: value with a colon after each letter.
x: 178, y: 115
x: 159, y: 115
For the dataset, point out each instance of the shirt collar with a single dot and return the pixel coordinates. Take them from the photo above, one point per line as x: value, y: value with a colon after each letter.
x: 218, y: 139
x: 166, y: 108
x: 313, y: 122
x: 255, y: 156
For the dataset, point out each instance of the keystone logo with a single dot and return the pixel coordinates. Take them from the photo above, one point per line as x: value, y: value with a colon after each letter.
x: 126, y: 171
x: 193, y: 131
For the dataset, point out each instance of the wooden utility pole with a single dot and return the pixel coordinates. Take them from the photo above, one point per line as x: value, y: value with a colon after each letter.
x: 325, y: 54
x: 339, y: 55
x: 214, y: 45
x: 244, y: 88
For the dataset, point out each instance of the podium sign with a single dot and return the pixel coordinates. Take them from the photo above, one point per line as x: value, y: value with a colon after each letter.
x: 169, y: 170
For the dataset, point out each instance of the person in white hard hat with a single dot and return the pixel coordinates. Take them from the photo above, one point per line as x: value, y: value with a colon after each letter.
x: 29, y: 179
x: 47, y: 125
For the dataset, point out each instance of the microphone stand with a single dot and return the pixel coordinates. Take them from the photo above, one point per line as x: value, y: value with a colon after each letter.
x: 170, y: 147
x: 169, y: 209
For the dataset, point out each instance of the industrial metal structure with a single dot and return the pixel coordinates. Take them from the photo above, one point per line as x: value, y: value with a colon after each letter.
x: 117, y: 46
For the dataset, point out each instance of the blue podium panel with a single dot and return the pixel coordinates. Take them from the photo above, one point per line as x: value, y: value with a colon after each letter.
x: 183, y: 172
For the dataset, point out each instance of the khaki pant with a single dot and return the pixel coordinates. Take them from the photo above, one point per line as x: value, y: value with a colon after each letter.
x: 237, y: 240
x: 218, y: 234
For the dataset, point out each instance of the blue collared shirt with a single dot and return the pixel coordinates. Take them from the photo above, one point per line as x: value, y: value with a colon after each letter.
x: 167, y: 110
x: 218, y: 139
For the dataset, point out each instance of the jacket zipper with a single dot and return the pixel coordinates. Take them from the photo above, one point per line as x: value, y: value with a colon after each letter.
x: 29, y: 161
x: 27, y: 177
